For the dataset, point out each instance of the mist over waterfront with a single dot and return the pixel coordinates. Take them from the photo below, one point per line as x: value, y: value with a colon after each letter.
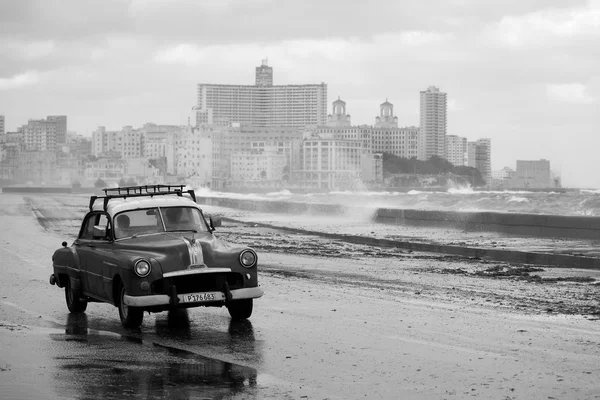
x: 585, y: 202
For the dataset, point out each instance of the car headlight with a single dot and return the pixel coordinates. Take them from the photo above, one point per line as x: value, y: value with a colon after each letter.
x: 142, y: 268
x: 248, y: 258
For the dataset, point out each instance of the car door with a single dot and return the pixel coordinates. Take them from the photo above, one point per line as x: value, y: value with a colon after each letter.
x: 93, y: 246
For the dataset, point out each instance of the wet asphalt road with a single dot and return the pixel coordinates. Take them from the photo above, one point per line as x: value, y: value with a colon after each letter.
x: 336, y: 322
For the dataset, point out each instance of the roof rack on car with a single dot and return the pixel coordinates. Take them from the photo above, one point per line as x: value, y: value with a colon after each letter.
x: 140, y: 191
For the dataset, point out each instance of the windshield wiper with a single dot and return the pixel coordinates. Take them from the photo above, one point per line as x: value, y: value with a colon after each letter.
x: 183, y: 230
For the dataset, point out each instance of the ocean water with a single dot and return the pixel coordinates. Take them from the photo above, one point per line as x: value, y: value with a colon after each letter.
x: 573, y: 202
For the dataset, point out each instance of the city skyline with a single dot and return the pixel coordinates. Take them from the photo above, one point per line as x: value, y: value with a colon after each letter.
x: 519, y: 74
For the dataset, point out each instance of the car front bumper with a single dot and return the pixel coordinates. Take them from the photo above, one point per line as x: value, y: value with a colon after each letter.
x: 192, y: 298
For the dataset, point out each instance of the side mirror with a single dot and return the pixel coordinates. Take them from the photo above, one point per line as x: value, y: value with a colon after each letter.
x: 215, y: 222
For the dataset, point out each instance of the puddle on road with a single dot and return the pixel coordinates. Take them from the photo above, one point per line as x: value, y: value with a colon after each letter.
x: 84, y: 363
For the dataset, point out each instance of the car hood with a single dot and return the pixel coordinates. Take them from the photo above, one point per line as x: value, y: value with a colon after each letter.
x: 178, y: 250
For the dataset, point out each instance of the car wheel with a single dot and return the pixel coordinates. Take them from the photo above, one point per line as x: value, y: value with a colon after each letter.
x: 240, y: 309
x: 74, y: 302
x: 131, y: 317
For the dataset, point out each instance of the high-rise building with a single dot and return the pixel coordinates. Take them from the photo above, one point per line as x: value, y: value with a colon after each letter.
x: 262, y: 104
x: 456, y: 150
x: 61, y: 127
x: 264, y: 75
x: 483, y: 158
x: 2, y: 129
x: 432, y: 140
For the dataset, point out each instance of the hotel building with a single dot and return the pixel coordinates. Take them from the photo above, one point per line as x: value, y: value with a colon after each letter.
x: 262, y: 104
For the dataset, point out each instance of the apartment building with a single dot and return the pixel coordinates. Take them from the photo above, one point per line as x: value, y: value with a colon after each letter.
x: 433, y: 117
x: 456, y: 150
x: 264, y: 165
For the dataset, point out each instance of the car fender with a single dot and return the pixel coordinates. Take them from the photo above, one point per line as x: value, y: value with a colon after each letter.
x: 65, y: 262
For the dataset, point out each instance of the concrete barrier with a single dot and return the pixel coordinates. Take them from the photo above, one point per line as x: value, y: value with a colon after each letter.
x: 37, y: 189
x: 511, y: 256
x: 535, y: 225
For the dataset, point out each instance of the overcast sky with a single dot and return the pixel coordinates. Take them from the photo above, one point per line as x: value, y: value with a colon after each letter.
x: 525, y: 73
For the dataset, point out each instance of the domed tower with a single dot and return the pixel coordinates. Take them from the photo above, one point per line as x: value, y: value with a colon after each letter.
x: 386, y: 117
x: 339, y: 116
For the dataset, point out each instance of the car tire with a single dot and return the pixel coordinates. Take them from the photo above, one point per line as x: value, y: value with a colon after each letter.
x: 131, y: 317
x: 240, y: 309
x: 75, y: 303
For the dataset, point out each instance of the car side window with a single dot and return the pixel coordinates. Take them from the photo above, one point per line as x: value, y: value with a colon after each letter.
x: 96, y: 227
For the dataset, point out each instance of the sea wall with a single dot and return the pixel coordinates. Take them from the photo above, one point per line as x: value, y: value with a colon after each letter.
x: 536, y: 225
x: 37, y: 189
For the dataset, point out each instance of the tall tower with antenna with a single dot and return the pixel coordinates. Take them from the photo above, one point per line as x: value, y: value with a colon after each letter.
x: 264, y: 74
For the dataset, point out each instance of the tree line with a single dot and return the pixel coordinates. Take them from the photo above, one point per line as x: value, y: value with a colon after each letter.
x: 394, y: 165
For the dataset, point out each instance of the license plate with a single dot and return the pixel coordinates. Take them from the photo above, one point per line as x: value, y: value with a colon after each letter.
x: 199, y: 297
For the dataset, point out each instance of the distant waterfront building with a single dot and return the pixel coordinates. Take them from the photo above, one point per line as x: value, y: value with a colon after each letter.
x: 38, y: 167
x: 384, y: 137
x: 338, y: 117
x: 194, y: 157
x: 471, y: 153
x: 45, y: 134
x: 131, y: 143
x: 104, y: 141
x: 2, y: 128
x: 110, y: 168
x: 371, y: 165
x: 386, y: 117
x: 61, y: 127
x: 9, y: 165
x: 240, y: 138
x: 456, y: 150
x: 503, y: 174
x: 330, y: 163
x: 483, y: 159
x: 501, y: 178
x: 433, y: 123
x: 261, y: 166
x: 127, y: 142
x: 533, y: 174
x: 262, y: 104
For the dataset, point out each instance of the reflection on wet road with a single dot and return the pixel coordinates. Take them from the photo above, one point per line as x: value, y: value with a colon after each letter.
x: 104, y: 365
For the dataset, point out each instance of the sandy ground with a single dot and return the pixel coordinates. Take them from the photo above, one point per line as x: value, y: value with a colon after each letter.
x: 338, y: 321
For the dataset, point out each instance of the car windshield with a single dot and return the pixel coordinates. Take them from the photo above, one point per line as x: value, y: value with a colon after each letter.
x: 183, y: 219
x: 154, y: 220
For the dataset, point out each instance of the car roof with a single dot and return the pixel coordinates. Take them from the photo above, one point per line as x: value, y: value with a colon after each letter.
x: 118, y: 205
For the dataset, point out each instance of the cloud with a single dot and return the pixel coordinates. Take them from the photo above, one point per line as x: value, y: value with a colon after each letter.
x: 569, y: 93
x: 20, y: 80
x: 545, y: 27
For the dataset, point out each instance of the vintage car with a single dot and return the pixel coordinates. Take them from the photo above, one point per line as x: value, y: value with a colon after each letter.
x: 151, y: 248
